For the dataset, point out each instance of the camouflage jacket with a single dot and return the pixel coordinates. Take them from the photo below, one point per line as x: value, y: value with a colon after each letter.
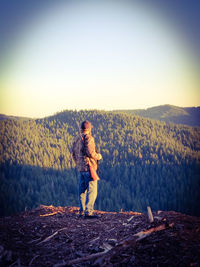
x: 84, y: 152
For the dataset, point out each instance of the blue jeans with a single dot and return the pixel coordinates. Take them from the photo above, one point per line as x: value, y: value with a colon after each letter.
x: 87, y: 193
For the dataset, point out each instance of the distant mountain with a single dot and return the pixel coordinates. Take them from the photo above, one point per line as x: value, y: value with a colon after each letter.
x: 168, y: 113
x: 7, y: 117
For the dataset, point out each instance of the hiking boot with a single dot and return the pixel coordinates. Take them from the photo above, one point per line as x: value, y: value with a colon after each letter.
x: 81, y: 214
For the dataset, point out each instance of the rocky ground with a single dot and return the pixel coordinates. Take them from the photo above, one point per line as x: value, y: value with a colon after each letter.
x: 56, y: 236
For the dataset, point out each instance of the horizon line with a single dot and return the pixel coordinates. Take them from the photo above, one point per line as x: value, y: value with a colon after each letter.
x: 92, y: 109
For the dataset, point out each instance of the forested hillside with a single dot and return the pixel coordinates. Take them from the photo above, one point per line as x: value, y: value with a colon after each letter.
x: 168, y: 113
x: 145, y: 162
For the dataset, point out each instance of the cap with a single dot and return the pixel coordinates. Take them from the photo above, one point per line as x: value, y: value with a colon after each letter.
x: 86, y: 125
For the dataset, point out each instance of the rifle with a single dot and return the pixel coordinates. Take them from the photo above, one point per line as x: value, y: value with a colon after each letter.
x: 93, y: 172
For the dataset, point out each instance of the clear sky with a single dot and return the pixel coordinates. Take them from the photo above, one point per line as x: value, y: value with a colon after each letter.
x: 95, y: 55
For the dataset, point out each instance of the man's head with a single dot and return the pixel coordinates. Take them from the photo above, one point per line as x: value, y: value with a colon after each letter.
x: 86, y: 126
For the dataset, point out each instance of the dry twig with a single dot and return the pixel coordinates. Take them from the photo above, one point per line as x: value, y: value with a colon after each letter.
x: 91, y: 256
x: 30, y: 263
x: 143, y: 234
x: 130, y: 219
x: 50, y: 214
x: 49, y: 237
x: 150, y: 215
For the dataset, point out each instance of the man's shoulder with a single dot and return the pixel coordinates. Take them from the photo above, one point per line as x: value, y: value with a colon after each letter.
x: 89, y: 138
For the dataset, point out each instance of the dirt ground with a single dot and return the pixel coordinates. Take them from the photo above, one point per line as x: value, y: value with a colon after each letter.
x: 56, y: 236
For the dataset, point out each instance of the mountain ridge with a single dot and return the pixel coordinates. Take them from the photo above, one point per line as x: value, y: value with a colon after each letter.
x: 169, y: 114
x: 11, y: 117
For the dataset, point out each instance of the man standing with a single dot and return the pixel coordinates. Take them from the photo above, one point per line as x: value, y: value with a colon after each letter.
x: 85, y: 156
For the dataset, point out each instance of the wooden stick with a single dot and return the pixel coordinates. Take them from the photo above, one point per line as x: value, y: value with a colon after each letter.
x: 130, y: 219
x: 50, y: 214
x: 146, y: 233
x: 93, y: 240
x: 16, y: 262
x: 13, y: 263
x: 34, y: 240
x: 150, y: 215
x: 49, y: 237
x: 91, y: 256
x: 30, y: 263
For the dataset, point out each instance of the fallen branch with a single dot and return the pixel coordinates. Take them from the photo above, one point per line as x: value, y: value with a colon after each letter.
x: 50, y: 214
x: 93, y: 240
x: 16, y: 262
x: 13, y: 263
x: 130, y: 219
x: 30, y: 263
x: 86, y: 258
x: 111, y: 229
x: 143, y: 234
x: 150, y: 215
x: 34, y: 240
x: 49, y: 237
x: 89, y: 257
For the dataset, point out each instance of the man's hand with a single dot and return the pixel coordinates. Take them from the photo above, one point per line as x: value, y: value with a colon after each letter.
x: 99, y: 156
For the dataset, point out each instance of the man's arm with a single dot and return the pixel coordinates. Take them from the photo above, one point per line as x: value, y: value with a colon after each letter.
x: 90, y: 148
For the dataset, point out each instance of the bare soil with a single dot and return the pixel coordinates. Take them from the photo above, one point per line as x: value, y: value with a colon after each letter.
x: 56, y: 236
